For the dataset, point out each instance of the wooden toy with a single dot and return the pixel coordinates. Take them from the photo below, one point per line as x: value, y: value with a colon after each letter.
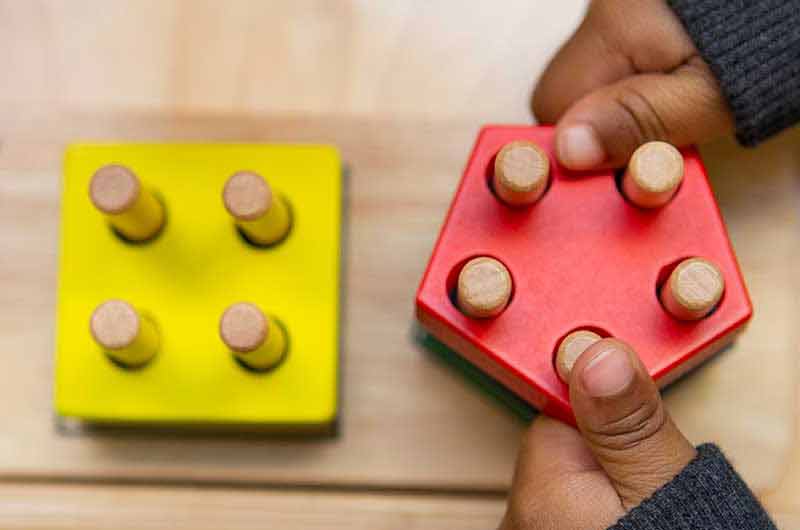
x: 570, y: 348
x: 131, y: 209
x: 693, y: 289
x: 582, y: 257
x: 484, y: 288
x: 186, y: 364
x: 653, y: 175
x: 253, y: 337
x: 123, y: 334
x: 521, y: 173
x: 262, y: 215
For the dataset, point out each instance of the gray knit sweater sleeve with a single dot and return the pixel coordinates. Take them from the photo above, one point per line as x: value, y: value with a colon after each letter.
x: 706, y: 495
x: 753, y: 48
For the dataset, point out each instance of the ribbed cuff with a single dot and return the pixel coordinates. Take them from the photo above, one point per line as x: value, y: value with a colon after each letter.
x: 753, y: 48
x: 707, y: 495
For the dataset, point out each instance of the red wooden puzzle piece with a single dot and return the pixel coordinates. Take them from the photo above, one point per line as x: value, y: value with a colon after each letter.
x: 582, y: 257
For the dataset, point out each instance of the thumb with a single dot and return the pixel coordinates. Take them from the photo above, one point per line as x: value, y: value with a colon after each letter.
x: 623, y: 421
x: 604, y: 127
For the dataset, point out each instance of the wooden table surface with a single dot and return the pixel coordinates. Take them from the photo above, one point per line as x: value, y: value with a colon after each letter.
x: 402, y: 89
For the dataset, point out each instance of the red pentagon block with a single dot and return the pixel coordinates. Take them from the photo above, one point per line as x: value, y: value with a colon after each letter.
x: 581, y: 257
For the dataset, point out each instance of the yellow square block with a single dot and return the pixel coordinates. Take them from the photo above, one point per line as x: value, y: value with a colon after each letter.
x: 188, y: 275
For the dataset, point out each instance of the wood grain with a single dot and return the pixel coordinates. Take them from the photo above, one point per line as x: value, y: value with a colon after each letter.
x: 396, y: 396
x: 402, y: 91
x: 57, y: 507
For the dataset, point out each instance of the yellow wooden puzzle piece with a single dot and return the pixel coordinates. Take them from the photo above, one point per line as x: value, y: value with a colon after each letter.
x: 185, y: 278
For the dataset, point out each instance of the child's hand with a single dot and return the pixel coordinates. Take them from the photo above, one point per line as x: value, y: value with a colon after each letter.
x: 628, y: 75
x: 627, y: 448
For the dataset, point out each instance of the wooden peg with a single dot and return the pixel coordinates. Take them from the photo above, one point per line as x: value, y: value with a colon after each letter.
x: 124, y: 335
x: 132, y: 210
x: 571, y: 347
x: 253, y: 337
x: 484, y: 288
x: 261, y: 214
x: 521, y: 173
x: 693, y: 289
x: 654, y: 174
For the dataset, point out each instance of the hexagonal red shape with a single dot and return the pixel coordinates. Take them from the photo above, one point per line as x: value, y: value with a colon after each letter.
x: 581, y: 257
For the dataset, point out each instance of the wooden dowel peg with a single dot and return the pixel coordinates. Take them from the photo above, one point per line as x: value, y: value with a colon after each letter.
x: 653, y: 175
x: 124, y: 334
x: 570, y: 348
x: 260, y: 213
x: 133, y: 211
x: 521, y: 173
x: 693, y: 289
x: 484, y: 288
x: 253, y: 337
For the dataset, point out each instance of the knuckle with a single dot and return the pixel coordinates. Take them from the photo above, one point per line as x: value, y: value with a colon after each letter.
x: 632, y: 428
x: 707, y: 92
x: 639, y: 118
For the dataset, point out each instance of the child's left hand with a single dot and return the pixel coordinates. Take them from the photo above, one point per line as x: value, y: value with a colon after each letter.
x: 629, y: 74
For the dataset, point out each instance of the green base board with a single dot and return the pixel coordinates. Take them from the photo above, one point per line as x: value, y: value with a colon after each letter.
x: 474, y: 375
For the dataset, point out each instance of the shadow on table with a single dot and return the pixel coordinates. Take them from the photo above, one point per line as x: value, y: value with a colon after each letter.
x: 491, y: 387
x: 472, y: 374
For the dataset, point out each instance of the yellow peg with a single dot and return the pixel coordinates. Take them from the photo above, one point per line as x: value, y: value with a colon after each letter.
x: 132, y: 210
x: 253, y: 337
x: 261, y: 214
x: 124, y: 335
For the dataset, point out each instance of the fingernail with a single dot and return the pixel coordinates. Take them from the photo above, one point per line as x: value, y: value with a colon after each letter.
x: 608, y: 373
x: 579, y: 147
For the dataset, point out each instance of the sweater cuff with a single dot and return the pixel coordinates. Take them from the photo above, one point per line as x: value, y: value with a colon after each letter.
x: 753, y: 48
x: 707, y: 494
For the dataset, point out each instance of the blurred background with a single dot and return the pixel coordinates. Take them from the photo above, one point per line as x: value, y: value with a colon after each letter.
x: 359, y: 58
x: 402, y: 88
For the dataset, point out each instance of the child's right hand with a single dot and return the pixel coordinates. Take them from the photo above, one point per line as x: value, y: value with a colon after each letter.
x: 626, y: 447
x: 629, y: 74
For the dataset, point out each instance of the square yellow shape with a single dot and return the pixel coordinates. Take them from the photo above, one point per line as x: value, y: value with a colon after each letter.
x: 188, y: 275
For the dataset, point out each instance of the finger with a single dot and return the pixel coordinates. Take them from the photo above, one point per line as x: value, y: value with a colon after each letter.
x: 604, y: 127
x: 558, y: 483
x: 587, y: 61
x: 623, y: 421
